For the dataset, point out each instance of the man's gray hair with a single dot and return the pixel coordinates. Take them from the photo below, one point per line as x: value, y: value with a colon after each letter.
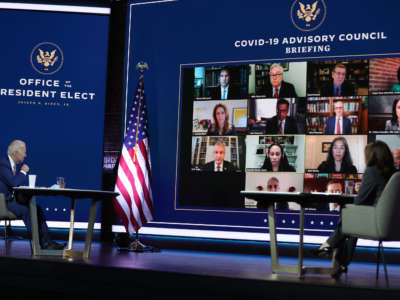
x: 15, y: 145
x: 276, y: 65
x: 273, y: 178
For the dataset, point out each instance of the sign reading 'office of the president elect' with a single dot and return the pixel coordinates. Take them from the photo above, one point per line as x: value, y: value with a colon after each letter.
x: 46, y: 59
x: 52, y: 96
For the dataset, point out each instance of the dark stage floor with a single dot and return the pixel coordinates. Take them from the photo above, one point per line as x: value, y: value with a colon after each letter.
x: 178, y: 272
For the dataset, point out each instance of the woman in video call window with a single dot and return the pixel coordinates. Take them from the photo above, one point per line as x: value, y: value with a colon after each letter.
x: 339, y: 158
x: 276, y: 160
x: 396, y: 86
x: 394, y: 123
x: 221, y: 125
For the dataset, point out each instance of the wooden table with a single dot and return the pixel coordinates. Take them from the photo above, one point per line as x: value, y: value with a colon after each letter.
x: 305, y: 200
x: 74, y: 194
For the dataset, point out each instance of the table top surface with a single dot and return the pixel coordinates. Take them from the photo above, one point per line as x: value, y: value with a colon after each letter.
x: 299, y: 197
x: 67, y: 192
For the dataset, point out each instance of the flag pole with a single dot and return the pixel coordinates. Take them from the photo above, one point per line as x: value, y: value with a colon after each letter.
x: 136, y: 245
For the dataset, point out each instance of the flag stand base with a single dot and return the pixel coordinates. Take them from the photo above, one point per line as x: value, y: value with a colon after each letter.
x: 137, y: 246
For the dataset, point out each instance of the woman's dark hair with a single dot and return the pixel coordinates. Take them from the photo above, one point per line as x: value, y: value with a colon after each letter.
x: 394, y: 115
x: 347, y: 161
x: 283, y: 164
x: 227, y: 125
x: 378, y: 154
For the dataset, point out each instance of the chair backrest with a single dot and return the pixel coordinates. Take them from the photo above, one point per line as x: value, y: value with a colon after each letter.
x: 388, y: 210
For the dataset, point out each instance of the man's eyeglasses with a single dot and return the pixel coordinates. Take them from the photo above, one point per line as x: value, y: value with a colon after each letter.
x: 270, y: 186
x: 275, y: 75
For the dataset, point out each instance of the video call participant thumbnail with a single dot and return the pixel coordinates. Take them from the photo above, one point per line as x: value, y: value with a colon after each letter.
x: 225, y: 90
x: 396, y: 158
x: 221, y: 125
x: 338, y: 86
x: 276, y: 86
x: 338, y: 124
x: 339, y: 158
x: 219, y: 164
x: 273, y: 186
x: 394, y: 122
x: 276, y: 160
x: 281, y: 123
x: 396, y: 86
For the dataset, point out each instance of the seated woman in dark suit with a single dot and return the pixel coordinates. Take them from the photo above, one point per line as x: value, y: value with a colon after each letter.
x: 339, y: 158
x: 394, y: 123
x: 276, y: 160
x: 380, y: 167
x: 221, y: 125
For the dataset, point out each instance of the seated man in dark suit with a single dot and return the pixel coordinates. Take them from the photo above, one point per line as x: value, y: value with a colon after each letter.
x: 276, y: 87
x: 338, y: 86
x: 219, y: 164
x: 281, y: 123
x: 338, y: 124
x: 12, y: 174
x: 225, y: 90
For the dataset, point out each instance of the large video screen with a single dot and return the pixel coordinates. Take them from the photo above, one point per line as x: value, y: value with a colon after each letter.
x: 288, y: 127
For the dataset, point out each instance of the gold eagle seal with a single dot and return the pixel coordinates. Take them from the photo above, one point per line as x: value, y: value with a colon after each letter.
x: 47, y: 58
x: 308, y: 15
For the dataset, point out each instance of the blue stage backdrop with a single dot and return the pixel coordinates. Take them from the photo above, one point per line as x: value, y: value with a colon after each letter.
x: 52, y: 96
x: 177, y: 36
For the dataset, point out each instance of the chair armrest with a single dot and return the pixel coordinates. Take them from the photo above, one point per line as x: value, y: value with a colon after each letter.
x: 360, y: 221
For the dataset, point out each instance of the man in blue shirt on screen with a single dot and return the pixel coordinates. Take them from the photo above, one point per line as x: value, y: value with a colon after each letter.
x: 13, y: 174
x: 338, y: 87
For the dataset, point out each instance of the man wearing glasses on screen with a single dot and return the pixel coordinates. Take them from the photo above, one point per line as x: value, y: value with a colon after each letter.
x: 281, y: 123
x: 338, y: 86
x: 276, y: 86
x: 338, y: 124
x: 219, y: 164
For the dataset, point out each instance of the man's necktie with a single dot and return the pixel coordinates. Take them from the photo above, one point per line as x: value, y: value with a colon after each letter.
x: 337, y: 91
x: 224, y: 94
x: 338, y: 131
x: 281, y: 127
x: 276, y: 93
x: 14, y: 169
x: 219, y: 168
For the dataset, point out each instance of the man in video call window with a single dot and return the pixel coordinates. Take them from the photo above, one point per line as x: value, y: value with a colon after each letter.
x: 396, y: 158
x: 338, y: 124
x: 276, y: 87
x: 338, y: 86
x: 225, y: 90
x: 219, y: 164
x: 281, y: 123
x: 334, y: 187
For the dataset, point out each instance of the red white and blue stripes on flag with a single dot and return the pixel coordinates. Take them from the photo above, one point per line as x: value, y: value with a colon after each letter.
x: 134, y: 205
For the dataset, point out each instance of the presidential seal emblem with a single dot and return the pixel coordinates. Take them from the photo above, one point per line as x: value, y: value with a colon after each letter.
x: 308, y: 15
x: 47, y: 58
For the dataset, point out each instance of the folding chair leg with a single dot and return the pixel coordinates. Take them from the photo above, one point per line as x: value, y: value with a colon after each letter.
x: 378, y: 258
x: 5, y: 230
x: 384, y: 267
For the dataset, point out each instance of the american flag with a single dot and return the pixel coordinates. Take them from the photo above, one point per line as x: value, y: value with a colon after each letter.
x: 134, y: 205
